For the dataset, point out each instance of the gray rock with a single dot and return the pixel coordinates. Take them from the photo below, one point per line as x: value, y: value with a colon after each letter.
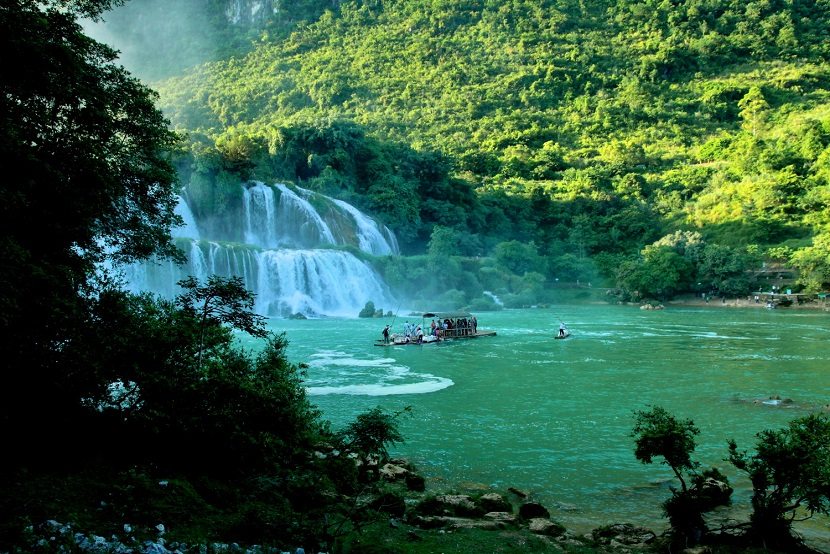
x: 623, y: 533
x: 459, y: 504
x: 504, y: 517
x: 494, y: 502
x: 391, y: 472
x: 543, y: 526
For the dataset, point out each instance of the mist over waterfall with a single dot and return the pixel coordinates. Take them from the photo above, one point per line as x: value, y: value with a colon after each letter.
x: 288, y: 255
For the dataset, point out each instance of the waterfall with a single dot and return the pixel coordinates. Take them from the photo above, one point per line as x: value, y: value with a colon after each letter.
x: 314, y: 281
x: 189, y: 229
x: 370, y: 237
x: 281, y: 260
x: 301, y: 221
x: 260, y: 216
x: 279, y: 217
x: 250, y: 12
x: 495, y: 298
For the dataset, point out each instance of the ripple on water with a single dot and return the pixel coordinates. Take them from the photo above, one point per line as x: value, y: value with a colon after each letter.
x: 336, y: 372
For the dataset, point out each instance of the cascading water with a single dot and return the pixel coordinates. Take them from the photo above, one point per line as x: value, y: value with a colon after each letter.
x: 315, y: 281
x: 250, y: 12
x: 189, y: 230
x: 371, y: 237
x: 281, y: 260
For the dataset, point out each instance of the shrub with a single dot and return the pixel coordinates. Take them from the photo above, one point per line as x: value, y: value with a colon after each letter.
x: 790, y: 474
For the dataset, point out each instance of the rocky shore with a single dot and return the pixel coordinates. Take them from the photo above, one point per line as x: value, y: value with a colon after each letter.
x: 406, y: 514
x: 403, y: 505
x: 414, y: 511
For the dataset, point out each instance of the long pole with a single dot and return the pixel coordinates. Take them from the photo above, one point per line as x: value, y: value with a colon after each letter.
x: 562, y: 322
x: 392, y: 325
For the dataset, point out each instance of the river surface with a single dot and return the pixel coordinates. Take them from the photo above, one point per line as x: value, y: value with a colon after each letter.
x: 554, y: 417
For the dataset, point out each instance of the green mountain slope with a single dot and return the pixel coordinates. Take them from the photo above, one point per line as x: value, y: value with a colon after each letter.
x: 618, y: 122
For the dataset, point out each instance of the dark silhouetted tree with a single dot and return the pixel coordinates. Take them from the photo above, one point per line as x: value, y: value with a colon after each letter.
x: 84, y: 154
x: 790, y: 474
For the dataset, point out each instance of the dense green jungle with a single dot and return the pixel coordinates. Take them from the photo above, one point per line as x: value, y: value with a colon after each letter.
x: 650, y: 148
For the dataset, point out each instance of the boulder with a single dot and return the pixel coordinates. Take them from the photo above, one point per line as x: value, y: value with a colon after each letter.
x: 415, y: 482
x: 402, y: 462
x: 504, y: 517
x: 392, y: 472
x: 623, y: 534
x: 459, y: 505
x: 544, y: 526
x: 494, y: 502
x: 389, y: 503
x: 449, y: 522
x: 530, y: 510
x: 456, y: 505
x: 714, y: 492
x: 486, y: 525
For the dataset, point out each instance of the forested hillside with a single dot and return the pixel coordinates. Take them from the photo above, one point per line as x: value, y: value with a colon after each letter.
x: 657, y: 146
x: 516, y: 149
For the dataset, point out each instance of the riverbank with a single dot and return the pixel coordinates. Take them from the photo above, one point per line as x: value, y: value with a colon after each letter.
x: 759, y: 301
x: 397, y: 514
x: 482, y: 519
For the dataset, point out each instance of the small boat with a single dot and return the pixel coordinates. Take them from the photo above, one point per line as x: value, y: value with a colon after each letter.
x: 563, y: 331
x: 451, y: 326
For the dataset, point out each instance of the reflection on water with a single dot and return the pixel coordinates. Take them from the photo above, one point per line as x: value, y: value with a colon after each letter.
x: 554, y: 416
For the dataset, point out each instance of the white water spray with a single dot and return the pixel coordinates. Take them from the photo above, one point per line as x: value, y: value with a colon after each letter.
x: 280, y: 260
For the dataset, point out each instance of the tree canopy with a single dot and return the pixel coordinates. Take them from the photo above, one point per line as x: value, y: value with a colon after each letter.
x: 87, y: 177
x: 116, y: 407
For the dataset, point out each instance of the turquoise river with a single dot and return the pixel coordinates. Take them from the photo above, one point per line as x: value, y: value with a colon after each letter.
x: 554, y: 417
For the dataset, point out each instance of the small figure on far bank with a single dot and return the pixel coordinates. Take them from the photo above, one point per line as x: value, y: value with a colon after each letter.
x: 386, y: 334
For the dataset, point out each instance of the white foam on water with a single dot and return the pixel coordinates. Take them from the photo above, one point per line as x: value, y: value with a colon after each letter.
x: 439, y: 383
x: 333, y: 358
x: 335, y: 372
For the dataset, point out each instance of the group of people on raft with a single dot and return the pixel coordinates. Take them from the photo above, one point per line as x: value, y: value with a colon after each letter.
x: 438, y: 329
